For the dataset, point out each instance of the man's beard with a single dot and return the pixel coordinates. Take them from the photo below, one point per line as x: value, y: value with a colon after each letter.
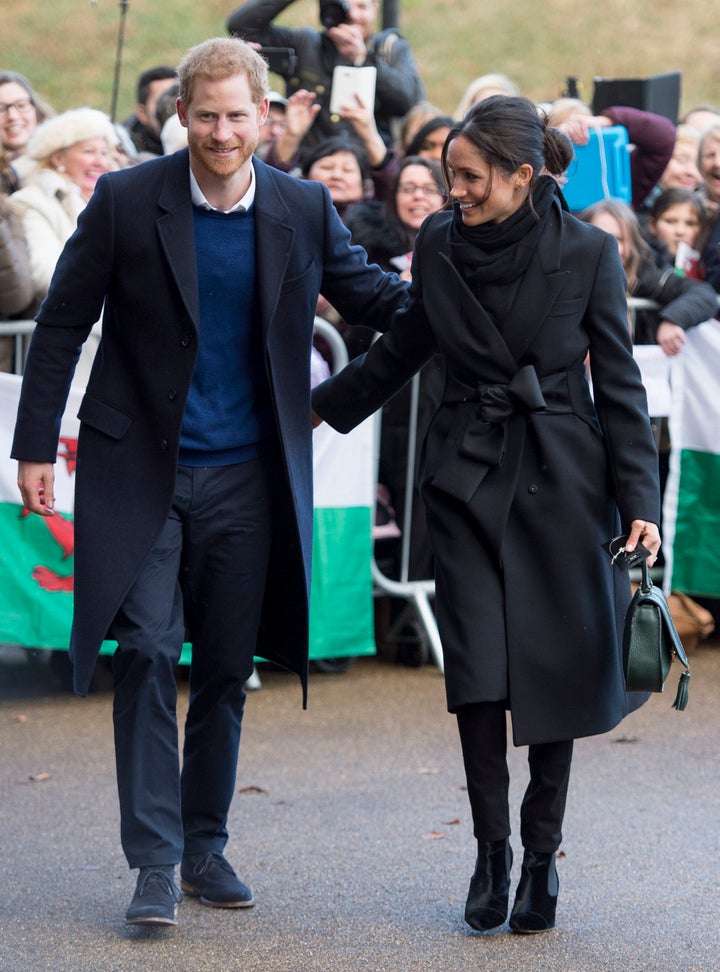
x: 222, y: 168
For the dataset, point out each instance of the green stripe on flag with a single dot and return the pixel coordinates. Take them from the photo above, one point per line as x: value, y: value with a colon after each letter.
x: 35, y: 572
x: 697, y: 527
x: 341, y: 609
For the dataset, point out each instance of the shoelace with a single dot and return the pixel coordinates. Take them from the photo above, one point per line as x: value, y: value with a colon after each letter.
x: 213, y: 859
x: 157, y: 877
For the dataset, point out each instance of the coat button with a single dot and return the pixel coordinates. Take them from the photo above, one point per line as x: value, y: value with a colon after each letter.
x: 532, y: 488
x: 185, y: 342
x: 164, y: 444
x: 172, y: 394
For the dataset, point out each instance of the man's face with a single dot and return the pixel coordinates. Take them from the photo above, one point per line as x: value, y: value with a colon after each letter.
x: 146, y: 112
x: 363, y: 13
x: 223, y: 124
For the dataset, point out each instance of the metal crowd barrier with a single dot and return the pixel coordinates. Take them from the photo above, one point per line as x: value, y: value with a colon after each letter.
x: 418, y: 593
x: 18, y: 330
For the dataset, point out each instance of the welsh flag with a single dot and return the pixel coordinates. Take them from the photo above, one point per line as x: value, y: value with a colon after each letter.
x: 691, y: 508
x: 36, y: 553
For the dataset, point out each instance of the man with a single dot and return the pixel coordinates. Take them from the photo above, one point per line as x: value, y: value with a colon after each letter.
x: 193, y: 506
x: 352, y: 42
x: 144, y: 126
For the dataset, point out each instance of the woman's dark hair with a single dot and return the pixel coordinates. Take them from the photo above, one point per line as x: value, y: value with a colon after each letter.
x: 509, y: 132
x: 333, y: 145
x: 433, y: 167
x: 679, y: 196
x: 415, y: 144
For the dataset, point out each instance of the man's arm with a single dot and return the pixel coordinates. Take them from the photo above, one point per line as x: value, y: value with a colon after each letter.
x: 252, y: 21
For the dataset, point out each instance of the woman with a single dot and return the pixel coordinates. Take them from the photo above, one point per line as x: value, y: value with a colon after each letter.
x: 683, y: 302
x: 523, y: 475
x: 70, y: 152
x: 21, y: 111
x: 676, y: 228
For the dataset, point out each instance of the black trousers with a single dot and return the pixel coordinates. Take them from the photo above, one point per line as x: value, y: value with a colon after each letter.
x: 483, y: 736
x: 205, y: 572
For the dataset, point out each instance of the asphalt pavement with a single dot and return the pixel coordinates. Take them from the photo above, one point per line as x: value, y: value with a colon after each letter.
x: 351, y: 824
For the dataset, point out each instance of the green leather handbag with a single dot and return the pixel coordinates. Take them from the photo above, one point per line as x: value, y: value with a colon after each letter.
x: 651, y: 642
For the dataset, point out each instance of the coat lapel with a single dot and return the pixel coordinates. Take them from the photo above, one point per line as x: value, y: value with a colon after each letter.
x: 274, y: 236
x: 175, y: 228
x: 540, y: 287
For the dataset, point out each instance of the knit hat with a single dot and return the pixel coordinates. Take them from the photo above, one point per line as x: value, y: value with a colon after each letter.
x: 69, y: 128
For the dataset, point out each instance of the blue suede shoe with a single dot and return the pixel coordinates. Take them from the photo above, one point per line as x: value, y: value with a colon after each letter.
x: 210, y: 878
x: 156, y: 898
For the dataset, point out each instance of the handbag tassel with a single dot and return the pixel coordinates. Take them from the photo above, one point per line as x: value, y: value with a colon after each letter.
x: 681, y: 699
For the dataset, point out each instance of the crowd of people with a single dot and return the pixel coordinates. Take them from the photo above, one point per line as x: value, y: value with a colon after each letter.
x: 481, y: 280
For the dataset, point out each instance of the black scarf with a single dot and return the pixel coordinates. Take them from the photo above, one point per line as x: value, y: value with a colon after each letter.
x: 500, y: 252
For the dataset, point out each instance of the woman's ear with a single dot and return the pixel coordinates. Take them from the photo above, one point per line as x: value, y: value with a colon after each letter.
x: 523, y: 175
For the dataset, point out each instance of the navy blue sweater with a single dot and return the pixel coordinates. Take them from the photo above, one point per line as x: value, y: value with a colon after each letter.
x: 228, y: 414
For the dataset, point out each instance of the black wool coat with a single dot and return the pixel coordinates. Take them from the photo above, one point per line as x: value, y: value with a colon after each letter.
x: 524, y: 474
x: 133, y: 259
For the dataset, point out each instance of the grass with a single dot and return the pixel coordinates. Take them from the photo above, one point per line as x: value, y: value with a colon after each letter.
x: 68, y: 47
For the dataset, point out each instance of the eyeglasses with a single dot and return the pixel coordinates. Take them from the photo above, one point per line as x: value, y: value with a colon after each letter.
x: 430, y: 189
x: 22, y: 107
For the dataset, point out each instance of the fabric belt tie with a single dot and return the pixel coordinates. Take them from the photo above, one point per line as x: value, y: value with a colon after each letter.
x: 480, y: 438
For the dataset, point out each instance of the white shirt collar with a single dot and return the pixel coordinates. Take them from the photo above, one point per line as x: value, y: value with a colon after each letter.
x: 198, y: 196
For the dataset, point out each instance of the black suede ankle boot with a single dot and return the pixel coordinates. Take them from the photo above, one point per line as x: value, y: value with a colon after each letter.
x: 487, y: 900
x: 536, y: 899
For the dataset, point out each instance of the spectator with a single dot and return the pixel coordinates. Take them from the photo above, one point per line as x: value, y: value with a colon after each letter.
x: 651, y: 136
x: 274, y: 125
x: 352, y: 42
x: 483, y: 87
x: 16, y: 289
x: 21, y: 111
x: 143, y: 124
x: 71, y: 151
x: 429, y: 139
x: 676, y: 229
x: 683, y: 302
x: 701, y: 117
x: 681, y: 171
x: 709, y: 165
x: 420, y: 113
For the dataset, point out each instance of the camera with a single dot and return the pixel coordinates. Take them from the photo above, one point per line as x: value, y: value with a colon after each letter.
x: 334, y: 12
x: 280, y: 60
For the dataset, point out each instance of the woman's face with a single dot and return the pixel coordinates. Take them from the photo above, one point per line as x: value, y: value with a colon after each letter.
x: 341, y: 174
x: 18, y: 117
x: 85, y: 162
x: 678, y: 223
x: 682, y: 171
x: 484, y: 194
x: 417, y: 196
x: 432, y: 144
x: 608, y: 223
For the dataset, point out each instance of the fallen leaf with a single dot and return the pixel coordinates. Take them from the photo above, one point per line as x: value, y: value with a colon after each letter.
x: 39, y: 777
x: 435, y: 835
x: 251, y: 789
x: 20, y: 717
x: 451, y: 823
x: 428, y: 771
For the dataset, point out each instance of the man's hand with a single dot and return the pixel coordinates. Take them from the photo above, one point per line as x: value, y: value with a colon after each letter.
x: 349, y: 41
x: 670, y: 337
x: 36, y: 482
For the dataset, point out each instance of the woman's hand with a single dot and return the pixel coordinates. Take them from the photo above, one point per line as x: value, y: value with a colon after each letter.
x: 647, y: 533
